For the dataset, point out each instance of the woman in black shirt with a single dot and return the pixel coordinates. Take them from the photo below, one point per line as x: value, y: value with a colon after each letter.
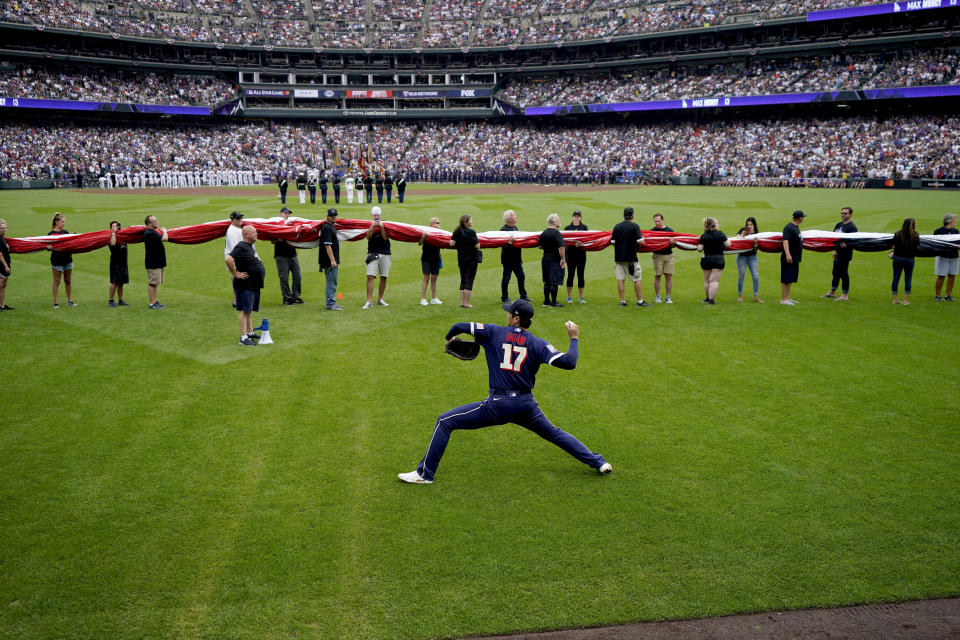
x: 62, y: 263
x: 905, y: 244
x: 467, y: 244
x: 712, y: 243
x: 119, y: 273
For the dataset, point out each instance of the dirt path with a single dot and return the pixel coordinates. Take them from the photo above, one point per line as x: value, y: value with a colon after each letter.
x: 919, y: 620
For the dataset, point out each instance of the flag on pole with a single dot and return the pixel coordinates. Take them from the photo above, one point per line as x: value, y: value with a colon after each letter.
x: 361, y: 163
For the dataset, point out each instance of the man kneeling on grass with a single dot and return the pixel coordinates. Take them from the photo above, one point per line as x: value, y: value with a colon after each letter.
x: 248, y: 274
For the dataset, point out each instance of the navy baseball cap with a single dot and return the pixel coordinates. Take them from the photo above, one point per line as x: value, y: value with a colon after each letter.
x: 577, y: 213
x: 519, y: 307
x: 799, y: 214
x: 285, y: 210
x: 236, y: 215
x: 331, y: 212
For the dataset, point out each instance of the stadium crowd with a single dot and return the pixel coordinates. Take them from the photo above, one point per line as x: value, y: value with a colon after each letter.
x: 114, y: 86
x: 854, y: 147
x: 394, y: 23
x: 861, y: 71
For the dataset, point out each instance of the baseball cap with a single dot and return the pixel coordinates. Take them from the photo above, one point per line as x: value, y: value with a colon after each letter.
x: 628, y: 212
x: 236, y: 215
x: 577, y: 213
x: 331, y: 212
x: 375, y: 211
x: 285, y: 210
x: 519, y: 307
x: 799, y: 214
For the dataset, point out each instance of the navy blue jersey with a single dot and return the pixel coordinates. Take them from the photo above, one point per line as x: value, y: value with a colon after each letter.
x: 514, y: 355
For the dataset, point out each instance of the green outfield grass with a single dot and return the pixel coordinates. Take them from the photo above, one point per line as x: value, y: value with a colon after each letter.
x: 158, y: 480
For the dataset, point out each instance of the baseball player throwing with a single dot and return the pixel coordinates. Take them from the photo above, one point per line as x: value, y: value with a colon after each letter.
x: 514, y: 356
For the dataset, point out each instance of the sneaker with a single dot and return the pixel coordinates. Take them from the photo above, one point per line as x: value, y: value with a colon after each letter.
x: 582, y: 301
x: 367, y: 305
x: 938, y: 299
x: 335, y: 307
x: 381, y: 303
x: 71, y: 303
x: 6, y: 308
x: 711, y: 301
x: 841, y: 299
x: 605, y: 469
x: 790, y: 302
x: 829, y: 295
x: 56, y: 306
x: 288, y: 301
x: 643, y: 303
x: 156, y: 305
x: 247, y: 342
x: 657, y: 300
x: 557, y: 304
x: 436, y: 301
x: 111, y: 303
x: 122, y: 303
x: 504, y: 299
x: 253, y: 337
x: 705, y: 301
x: 546, y: 303
x: 527, y: 298
x: 623, y: 303
x: 298, y: 300
x: 414, y: 478
x: 948, y: 298
x: 669, y: 301
x: 569, y: 300
x: 423, y: 302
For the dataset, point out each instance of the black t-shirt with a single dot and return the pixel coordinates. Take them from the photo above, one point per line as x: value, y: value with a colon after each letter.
x: 154, y: 253
x: 328, y: 237
x: 791, y: 233
x: 712, y: 242
x: 118, y: 256
x: 430, y: 253
x: 377, y: 244
x: 5, y: 251
x: 466, y: 239
x: 284, y: 250
x: 844, y: 227
x: 625, y: 236
x: 904, y: 246
x: 246, y: 260
x: 752, y: 252
x: 942, y: 231
x: 510, y: 254
x: 575, y: 254
x: 669, y: 249
x: 550, y: 241
x: 60, y: 258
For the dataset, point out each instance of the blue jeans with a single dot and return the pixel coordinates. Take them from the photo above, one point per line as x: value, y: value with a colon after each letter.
x: 904, y: 266
x: 743, y: 263
x: 331, y: 274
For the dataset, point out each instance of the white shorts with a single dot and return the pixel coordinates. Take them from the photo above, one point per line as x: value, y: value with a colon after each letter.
x: 622, y: 269
x: 380, y: 266
x: 946, y: 266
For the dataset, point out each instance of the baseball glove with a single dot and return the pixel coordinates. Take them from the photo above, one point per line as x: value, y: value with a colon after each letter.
x: 462, y: 349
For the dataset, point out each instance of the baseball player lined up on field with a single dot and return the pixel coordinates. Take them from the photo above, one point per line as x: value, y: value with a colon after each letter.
x: 514, y: 356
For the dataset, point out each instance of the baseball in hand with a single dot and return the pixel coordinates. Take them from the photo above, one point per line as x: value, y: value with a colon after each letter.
x: 572, y: 329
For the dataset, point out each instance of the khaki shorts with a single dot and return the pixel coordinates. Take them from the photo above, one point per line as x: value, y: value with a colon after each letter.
x: 154, y: 277
x: 662, y: 264
x: 622, y: 270
x: 380, y: 266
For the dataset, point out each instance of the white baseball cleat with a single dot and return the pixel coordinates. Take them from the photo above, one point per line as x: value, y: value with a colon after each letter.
x: 435, y: 301
x: 605, y: 468
x: 414, y: 478
x: 367, y: 305
x: 423, y: 302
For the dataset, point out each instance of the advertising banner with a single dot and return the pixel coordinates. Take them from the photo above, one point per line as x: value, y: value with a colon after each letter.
x: 370, y: 93
x: 117, y: 107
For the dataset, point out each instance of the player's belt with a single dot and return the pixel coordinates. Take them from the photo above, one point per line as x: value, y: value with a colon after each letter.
x: 510, y: 392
